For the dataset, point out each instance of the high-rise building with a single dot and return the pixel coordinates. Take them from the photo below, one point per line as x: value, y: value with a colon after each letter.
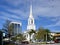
x: 17, y: 28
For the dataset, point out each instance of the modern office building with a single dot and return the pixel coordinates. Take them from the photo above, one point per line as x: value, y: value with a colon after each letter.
x: 17, y: 28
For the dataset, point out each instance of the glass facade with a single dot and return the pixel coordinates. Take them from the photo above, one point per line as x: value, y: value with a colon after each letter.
x: 16, y: 29
x: 19, y: 29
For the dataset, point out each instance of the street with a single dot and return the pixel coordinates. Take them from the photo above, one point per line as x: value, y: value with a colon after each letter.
x: 43, y: 44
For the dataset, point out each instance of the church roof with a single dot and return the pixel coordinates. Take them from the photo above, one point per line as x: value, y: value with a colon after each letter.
x: 31, y: 16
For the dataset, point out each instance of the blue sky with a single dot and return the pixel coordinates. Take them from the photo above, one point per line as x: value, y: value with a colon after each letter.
x: 46, y: 13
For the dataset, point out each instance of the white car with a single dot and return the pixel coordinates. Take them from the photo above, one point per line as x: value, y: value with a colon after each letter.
x: 51, y: 42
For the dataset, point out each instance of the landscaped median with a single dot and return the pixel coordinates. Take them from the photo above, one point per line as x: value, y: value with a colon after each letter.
x: 44, y: 42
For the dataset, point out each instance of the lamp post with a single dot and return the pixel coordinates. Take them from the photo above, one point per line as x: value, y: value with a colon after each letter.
x: 46, y: 36
x: 1, y: 38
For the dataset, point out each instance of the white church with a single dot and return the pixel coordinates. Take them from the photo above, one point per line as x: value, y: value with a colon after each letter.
x: 30, y: 25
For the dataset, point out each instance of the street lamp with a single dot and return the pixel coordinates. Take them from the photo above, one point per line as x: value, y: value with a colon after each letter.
x: 46, y: 36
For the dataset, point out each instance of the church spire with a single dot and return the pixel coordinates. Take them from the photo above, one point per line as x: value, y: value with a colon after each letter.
x: 31, y: 24
x: 31, y: 12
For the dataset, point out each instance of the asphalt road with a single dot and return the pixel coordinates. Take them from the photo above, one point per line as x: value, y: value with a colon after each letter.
x: 43, y: 44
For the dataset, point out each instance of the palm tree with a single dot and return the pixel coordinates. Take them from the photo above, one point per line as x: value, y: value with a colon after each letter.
x: 47, y: 34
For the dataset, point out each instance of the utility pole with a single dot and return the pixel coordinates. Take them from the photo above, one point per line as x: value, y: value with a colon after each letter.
x: 1, y: 38
x: 46, y: 36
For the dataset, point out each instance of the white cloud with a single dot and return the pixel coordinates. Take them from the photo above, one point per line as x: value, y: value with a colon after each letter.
x: 45, y: 8
x: 19, y: 9
x: 19, y: 13
x: 17, y: 2
x: 53, y: 25
x: 8, y: 16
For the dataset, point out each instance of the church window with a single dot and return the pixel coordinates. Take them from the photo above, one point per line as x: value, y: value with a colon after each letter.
x: 32, y: 21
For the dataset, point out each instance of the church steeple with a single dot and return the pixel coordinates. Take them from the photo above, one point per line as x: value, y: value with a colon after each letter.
x: 31, y: 24
x: 31, y: 12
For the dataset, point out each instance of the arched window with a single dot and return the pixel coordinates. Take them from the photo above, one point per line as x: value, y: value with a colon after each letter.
x: 32, y: 21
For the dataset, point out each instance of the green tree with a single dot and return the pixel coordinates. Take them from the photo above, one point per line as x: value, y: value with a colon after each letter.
x: 19, y: 37
x: 31, y: 32
x: 10, y: 29
x: 47, y: 36
x: 42, y: 34
x: 7, y: 27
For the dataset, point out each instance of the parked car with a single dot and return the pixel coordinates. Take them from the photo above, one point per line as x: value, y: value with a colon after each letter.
x: 25, y: 42
x: 57, y: 41
x: 50, y: 42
